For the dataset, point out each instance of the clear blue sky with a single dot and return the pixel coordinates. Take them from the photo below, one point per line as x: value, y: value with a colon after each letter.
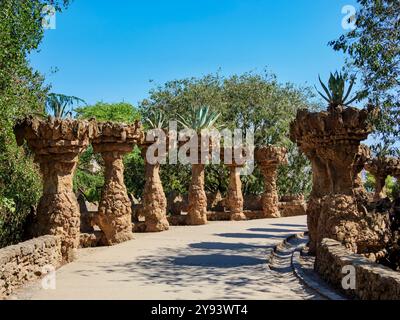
x: 109, y: 50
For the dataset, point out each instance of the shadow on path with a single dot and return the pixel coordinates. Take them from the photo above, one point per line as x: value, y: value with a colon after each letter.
x: 227, y: 246
x: 217, y: 261
x: 248, y: 236
x: 272, y: 230
x: 288, y: 225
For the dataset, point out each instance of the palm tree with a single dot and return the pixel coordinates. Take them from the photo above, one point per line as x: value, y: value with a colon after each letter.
x: 199, y: 119
x: 60, y: 105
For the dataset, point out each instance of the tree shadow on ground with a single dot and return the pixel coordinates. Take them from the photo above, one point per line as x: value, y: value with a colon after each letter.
x: 227, y: 246
x: 248, y: 236
x: 205, y: 269
x: 289, y: 225
x: 274, y: 230
x: 217, y: 261
x: 217, y: 270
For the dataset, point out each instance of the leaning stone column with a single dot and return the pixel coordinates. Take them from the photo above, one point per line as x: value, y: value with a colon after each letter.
x: 115, y: 213
x: 269, y: 158
x: 381, y: 168
x: 57, y: 144
x: 234, y: 201
x: 331, y: 140
x: 154, y: 200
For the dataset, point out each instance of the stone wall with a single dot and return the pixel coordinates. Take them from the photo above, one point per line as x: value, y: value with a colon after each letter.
x: 25, y: 261
x: 373, y: 281
x: 293, y: 208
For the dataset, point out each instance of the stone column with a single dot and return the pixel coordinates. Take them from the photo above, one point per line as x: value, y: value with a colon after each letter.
x: 331, y: 140
x: 269, y: 158
x: 197, y: 208
x: 234, y: 201
x: 154, y: 200
x: 115, y: 210
x: 57, y: 144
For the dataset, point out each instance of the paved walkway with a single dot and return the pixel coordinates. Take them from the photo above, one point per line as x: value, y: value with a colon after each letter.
x: 221, y: 260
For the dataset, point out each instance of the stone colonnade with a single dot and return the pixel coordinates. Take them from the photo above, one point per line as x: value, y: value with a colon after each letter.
x: 331, y: 141
x: 57, y: 145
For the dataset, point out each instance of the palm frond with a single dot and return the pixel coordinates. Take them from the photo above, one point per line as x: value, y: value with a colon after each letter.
x: 60, y: 105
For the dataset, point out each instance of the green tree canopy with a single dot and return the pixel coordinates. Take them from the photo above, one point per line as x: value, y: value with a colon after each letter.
x: 114, y: 112
x: 21, y: 93
x: 247, y: 101
x: 373, y: 49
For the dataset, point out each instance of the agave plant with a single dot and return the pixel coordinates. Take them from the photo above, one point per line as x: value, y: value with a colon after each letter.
x: 155, y: 120
x: 199, y: 119
x: 335, y: 91
x: 60, y: 106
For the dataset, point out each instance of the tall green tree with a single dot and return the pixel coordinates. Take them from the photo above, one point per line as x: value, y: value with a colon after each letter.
x: 21, y: 93
x: 248, y: 101
x: 373, y: 50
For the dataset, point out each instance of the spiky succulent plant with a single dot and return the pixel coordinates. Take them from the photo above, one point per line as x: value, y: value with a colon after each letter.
x: 335, y: 91
x: 199, y: 119
x: 155, y: 120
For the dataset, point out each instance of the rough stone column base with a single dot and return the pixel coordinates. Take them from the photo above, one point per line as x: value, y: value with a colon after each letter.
x: 197, y: 209
x: 115, y: 212
x: 235, y: 196
x: 196, y: 218
x: 270, y: 206
x: 58, y: 215
x: 238, y: 216
x: 154, y: 201
x: 342, y: 219
x: 313, y: 213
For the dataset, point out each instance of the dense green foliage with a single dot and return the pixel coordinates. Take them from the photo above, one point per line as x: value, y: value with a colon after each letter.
x: 21, y: 92
x: 392, y: 186
x: 374, y: 53
x: 114, y: 112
